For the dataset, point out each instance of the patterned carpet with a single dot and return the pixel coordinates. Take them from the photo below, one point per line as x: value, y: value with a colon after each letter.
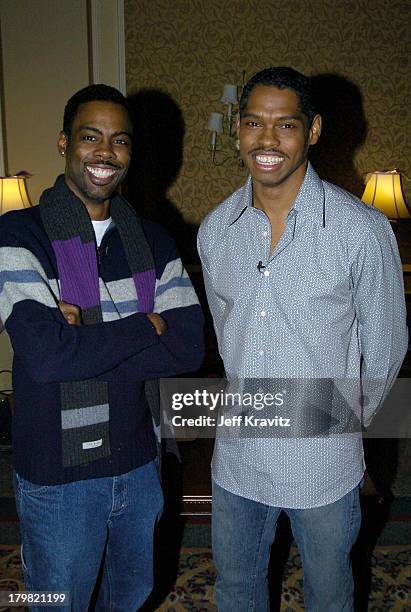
x: 193, y: 591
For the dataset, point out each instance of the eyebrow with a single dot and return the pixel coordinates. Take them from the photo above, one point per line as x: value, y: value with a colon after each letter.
x: 282, y: 118
x: 97, y: 131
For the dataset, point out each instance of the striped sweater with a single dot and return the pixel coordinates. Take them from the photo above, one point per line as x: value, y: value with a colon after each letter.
x: 123, y: 350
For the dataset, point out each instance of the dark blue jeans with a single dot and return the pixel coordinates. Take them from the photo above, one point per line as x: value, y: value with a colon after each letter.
x: 68, y: 530
x: 243, y: 531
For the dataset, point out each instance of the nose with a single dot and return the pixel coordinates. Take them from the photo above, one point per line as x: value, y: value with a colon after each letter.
x: 269, y: 137
x: 104, y: 151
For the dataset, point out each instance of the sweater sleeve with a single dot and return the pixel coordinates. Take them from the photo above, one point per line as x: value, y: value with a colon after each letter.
x: 181, y: 348
x: 50, y: 349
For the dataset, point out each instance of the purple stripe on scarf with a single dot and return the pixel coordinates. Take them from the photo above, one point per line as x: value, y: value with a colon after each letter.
x: 78, y: 272
x: 144, y: 283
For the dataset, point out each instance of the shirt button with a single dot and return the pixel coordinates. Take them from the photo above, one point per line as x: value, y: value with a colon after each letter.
x: 261, y: 353
x: 266, y: 272
x: 263, y: 313
x: 265, y: 234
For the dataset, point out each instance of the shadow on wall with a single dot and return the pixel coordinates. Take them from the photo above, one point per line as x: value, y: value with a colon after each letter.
x: 339, y: 102
x: 156, y: 163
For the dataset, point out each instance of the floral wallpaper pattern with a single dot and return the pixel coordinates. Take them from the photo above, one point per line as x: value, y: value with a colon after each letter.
x: 188, y: 49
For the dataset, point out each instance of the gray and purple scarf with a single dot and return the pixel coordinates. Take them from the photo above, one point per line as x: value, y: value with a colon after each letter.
x: 85, y: 411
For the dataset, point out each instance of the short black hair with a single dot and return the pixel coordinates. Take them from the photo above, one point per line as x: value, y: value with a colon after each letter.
x: 92, y: 93
x: 283, y: 78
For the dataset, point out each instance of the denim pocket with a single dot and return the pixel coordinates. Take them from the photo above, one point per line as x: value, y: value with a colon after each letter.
x: 30, y: 488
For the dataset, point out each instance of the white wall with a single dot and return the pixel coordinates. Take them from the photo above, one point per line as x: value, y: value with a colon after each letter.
x: 45, y: 59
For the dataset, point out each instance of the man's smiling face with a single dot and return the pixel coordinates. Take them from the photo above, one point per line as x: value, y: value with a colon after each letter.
x: 274, y: 136
x: 98, y: 152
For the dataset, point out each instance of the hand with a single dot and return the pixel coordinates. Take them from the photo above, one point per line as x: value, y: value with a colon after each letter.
x: 158, y: 322
x: 70, y: 312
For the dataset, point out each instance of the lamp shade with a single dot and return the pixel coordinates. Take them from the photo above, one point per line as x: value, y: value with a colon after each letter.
x: 229, y: 94
x: 384, y: 191
x: 215, y: 123
x: 13, y: 193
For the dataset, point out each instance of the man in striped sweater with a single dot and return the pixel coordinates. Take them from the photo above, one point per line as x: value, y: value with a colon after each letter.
x: 97, y: 306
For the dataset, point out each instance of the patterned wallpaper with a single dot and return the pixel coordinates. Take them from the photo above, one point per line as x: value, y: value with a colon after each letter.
x: 180, y: 53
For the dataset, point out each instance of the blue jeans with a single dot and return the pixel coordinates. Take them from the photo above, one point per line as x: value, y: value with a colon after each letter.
x: 243, y: 531
x: 69, y: 530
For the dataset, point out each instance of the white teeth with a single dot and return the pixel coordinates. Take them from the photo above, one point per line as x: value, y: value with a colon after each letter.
x: 270, y: 160
x: 100, y: 172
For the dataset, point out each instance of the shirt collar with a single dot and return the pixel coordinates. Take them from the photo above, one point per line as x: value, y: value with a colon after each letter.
x: 310, y: 200
x: 244, y: 197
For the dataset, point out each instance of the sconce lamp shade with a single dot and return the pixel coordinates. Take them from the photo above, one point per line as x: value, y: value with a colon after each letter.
x: 215, y: 123
x: 13, y: 193
x: 230, y: 94
x: 384, y: 191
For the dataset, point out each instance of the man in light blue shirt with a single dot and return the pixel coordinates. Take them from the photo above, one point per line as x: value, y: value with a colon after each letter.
x: 304, y: 282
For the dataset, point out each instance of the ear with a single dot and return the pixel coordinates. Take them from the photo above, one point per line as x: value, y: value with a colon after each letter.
x: 315, y: 130
x: 62, y: 143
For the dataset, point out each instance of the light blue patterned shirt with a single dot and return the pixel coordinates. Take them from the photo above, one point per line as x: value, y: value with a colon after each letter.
x: 328, y: 304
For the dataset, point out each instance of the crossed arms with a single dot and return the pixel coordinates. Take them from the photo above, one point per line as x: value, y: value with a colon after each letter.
x: 137, y: 347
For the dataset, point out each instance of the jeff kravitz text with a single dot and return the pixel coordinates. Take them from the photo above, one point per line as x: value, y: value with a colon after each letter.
x: 234, y: 421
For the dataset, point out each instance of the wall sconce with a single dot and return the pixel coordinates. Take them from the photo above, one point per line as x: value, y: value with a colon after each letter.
x: 230, y: 98
x: 13, y: 192
x: 215, y: 125
x: 223, y: 124
x: 384, y: 191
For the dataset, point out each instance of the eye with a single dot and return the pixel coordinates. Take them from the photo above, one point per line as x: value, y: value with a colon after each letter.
x: 252, y: 124
x: 287, y: 126
x: 89, y: 137
x: 123, y: 142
